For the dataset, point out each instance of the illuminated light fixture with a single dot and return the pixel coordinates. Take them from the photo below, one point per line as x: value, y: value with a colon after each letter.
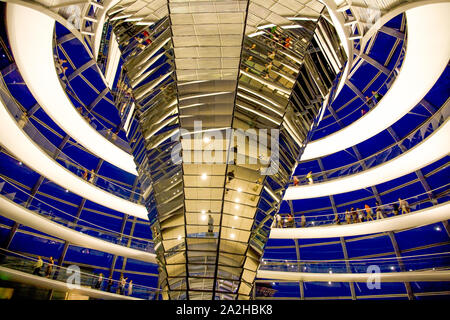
x: 236, y: 206
x: 239, y: 189
x: 329, y: 282
x: 251, y: 35
x: 232, y: 236
x: 203, y: 211
x: 206, y: 139
x: 179, y: 237
x: 237, y: 200
x: 20, y: 163
x: 203, y: 217
x: 235, y: 217
x: 192, y: 105
x: 330, y: 271
x: 67, y: 191
x: 204, y: 176
x: 133, y: 19
x: 392, y: 268
x: 273, y: 283
x: 438, y: 229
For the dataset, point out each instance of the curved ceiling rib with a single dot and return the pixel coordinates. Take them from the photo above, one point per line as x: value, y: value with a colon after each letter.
x: 18, y: 143
x: 24, y: 216
x: 428, y: 26
x: 423, y: 217
x: 433, y: 148
x: 31, y: 38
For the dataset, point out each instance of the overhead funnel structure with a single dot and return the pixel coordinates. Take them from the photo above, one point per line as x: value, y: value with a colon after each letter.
x: 226, y: 93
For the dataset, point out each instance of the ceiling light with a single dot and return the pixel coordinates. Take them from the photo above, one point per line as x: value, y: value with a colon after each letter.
x: 237, y: 200
x: 236, y: 206
x: 206, y: 139
x: 232, y: 235
x: 203, y: 217
x: 235, y: 217
x: 179, y: 237
x: 204, y: 176
x: 239, y: 189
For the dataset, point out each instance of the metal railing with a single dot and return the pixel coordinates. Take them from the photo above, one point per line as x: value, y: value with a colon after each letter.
x: 24, y: 263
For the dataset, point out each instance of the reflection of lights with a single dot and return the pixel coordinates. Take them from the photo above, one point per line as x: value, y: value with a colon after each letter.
x: 329, y: 282
x: 179, y: 237
x: 236, y: 206
x: 331, y: 272
x: 67, y: 191
x: 203, y: 217
x: 203, y: 211
x: 273, y: 283
x: 237, y: 200
x: 239, y: 189
x: 20, y: 163
x: 204, y: 176
x: 438, y: 229
x: 392, y: 268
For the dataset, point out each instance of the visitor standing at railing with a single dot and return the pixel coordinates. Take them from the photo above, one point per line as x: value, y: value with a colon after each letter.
x: 360, y: 214
x: 37, y: 266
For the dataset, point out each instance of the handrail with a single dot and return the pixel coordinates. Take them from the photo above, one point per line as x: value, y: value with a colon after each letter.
x: 113, y: 236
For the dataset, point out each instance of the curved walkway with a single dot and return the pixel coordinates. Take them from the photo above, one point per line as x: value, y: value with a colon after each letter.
x: 30, y: 34
x: 427, y: 55
x: 355, y: 277
x: 433, y: 148
x: 18, y: 143
x: 16, y: 212
x: 42, y: 282
x: 411, y: 220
